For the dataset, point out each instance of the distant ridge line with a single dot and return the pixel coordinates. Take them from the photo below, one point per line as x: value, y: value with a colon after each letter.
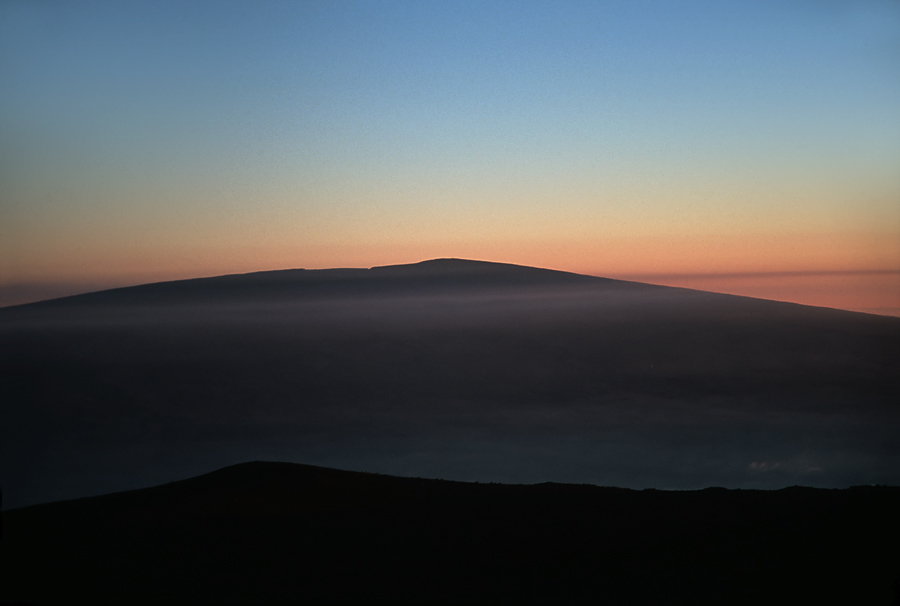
x: 283, y: 480
x: 428, y: 277
x: 432, y: 273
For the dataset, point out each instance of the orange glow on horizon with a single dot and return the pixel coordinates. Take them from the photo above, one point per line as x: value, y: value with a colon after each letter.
x: 649, y: 255
x: 876, y: 292
x: 847, y: 271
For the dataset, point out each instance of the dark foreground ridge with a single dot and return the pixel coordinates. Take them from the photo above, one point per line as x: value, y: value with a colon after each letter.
x: 260, y: 533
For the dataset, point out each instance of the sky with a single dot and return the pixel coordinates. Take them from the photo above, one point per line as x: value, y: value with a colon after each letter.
x: 749, y: 147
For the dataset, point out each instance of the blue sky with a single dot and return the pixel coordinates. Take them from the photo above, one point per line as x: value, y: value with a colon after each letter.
x: 168, y: 139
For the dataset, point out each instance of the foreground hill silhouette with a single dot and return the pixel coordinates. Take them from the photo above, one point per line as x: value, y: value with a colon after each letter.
x: 259, y: 533
x: 446, y: 368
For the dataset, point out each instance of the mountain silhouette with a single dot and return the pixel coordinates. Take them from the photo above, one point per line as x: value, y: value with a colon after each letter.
x: 427, y: 276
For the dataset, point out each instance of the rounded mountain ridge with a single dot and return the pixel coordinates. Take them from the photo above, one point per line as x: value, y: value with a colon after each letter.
x: 426, y: 276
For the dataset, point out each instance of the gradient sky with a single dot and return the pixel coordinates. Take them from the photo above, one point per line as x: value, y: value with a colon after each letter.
x: 687, y: 142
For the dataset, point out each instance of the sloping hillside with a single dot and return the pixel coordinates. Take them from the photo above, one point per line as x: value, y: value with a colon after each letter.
x: 261, y: 533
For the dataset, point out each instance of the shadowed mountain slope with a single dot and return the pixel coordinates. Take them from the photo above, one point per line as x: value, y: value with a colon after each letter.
x: 280, y: 533
x: 447, y: 368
